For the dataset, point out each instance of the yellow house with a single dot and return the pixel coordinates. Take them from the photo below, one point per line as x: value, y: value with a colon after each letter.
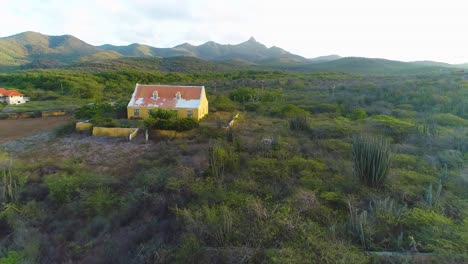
x: 188, y: 101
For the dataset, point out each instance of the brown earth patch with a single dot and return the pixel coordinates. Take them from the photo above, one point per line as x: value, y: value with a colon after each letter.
x: 18, y: 128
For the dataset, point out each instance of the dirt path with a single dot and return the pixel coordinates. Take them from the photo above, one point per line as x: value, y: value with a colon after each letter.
x: 18, y: 128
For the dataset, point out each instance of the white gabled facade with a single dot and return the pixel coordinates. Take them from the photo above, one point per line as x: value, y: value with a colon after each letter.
x: 12, y: 97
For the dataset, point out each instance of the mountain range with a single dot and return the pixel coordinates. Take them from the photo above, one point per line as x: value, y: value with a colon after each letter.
x: 35, y: 50
x: 33, y: 47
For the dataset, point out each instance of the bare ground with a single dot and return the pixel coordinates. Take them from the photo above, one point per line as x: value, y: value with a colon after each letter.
x: 13, y: 129
x: 103, y: 155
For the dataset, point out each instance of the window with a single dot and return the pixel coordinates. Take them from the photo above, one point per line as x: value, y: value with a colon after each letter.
x: 136, y: 112
x: 189, y: 113
x: 155, y: 95
x: 177, y: 95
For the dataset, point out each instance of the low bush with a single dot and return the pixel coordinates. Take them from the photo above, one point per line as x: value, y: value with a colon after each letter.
x: 101, y: 201
x: 104, y: 122
x: 392, y: 126
x: 64, y: 130
x: 179, y: 125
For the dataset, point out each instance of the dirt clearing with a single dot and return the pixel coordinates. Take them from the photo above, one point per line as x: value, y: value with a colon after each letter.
x: 17, y: 128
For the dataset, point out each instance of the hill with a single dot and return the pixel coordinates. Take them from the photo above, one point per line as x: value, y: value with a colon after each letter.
x: 171, y: 64
x: 368, y: 66
x: 35, y: 48
x: 325, y: 58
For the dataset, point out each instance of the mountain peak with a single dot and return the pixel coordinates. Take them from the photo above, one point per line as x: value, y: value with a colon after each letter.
x: 252, y: 39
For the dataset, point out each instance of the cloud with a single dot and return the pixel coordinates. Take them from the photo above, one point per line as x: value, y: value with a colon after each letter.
x: 405, y: 30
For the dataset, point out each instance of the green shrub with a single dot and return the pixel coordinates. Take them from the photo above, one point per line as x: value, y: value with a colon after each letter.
x: 12, y: 257
x: 392, y: 126
x: 372, y: 158
x: 101, y: 201
x: 101, y: 110
x: 64, y: 187
x: 290, y: 110
x: 189, y: 250
x: 223, y: 103
x: 410, y: 183
x: 185, y: 124
x: 104, y: 122
x: 448, y: 119
x: 337, y: 146
x: 243, y: 94
x: 453, y: 158
x: 167, y: 120
x: 160, y: 113
x: 179, y: 125
x: 64, y: 130
x: 358, y: 113
x: 325, y: 126
x: 434, y: 232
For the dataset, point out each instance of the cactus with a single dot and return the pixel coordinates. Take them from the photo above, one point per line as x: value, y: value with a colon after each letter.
x: 428, y: 195
x: 372, y: 158
x: 433, y: 199
x: 222, y: 158
x: 358, y: 222
x: 10, y: 183
x: 299, y: 123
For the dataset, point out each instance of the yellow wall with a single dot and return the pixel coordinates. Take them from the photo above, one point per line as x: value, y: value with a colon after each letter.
x: 198, y: 113
x: 112, y: 131
x: 143, y: 112
x: 83, y: 126
x: 158, y: 134
x: 53, y: 113
x: 203, y: 110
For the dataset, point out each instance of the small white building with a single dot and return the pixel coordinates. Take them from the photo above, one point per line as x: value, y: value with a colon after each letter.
x: 12, y: 97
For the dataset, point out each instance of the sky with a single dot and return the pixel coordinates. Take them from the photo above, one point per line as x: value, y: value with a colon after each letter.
x: 406, y: 30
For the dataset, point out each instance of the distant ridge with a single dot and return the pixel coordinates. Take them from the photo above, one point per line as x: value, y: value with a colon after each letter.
x: 325, y: 58
x: 250, y: 50
x: 32, y: 50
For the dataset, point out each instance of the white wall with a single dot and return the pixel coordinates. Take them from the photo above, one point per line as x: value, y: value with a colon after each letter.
x: 15, y: 100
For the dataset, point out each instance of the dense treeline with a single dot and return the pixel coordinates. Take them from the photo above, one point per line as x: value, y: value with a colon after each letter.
x: 294, y: 181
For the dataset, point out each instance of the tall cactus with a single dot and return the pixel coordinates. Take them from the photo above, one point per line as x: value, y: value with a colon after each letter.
x: 9, y: 183
x: 372, y: 158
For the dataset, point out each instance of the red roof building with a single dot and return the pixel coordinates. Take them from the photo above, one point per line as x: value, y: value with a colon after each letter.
x: 11, y: 96
x: 188, y: 101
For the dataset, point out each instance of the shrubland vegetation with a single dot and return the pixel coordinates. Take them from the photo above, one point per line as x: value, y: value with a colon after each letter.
x: 294, y: 181
x: 167, y: 120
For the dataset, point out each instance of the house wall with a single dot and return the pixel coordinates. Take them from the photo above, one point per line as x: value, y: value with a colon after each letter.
x: 203, y: 109
x: 15, y: 100
x: 198, y: 113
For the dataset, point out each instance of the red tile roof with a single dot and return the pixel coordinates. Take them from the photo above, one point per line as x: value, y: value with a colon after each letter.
x: 190, y: 96
x: 6, y: 92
